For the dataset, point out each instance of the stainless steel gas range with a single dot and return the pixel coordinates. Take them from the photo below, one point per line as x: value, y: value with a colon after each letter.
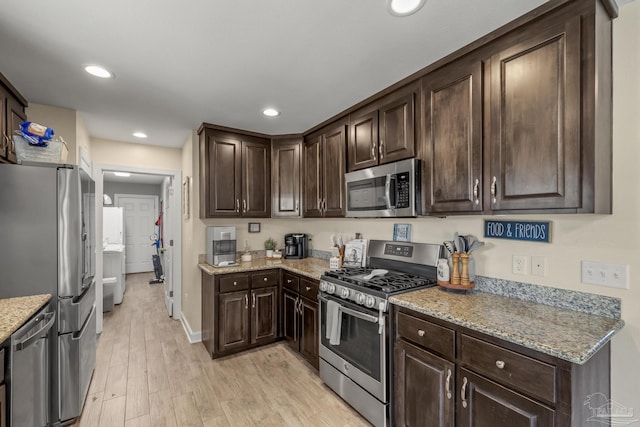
x: 355, y: 331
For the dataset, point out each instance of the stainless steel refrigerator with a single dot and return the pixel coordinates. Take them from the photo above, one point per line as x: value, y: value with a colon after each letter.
x: 47, y: 245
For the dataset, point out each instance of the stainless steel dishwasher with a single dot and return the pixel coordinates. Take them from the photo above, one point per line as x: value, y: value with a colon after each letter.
x: 29, y: 371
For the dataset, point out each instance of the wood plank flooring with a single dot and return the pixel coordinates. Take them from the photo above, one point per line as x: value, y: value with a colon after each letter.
x: 148, y: 374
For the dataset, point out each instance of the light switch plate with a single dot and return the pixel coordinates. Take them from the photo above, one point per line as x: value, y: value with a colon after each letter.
x: 599, y: 273
x: 538, y: 266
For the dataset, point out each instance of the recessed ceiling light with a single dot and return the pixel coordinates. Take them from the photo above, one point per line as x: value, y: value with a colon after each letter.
x: 122, y: 174
x: 270, y: 112
x: 98, y: 71
x: 140, y: 134
x: 404, y: 7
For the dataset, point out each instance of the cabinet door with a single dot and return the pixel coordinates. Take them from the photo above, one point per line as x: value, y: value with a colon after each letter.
x: 15, y: 116
x: 424, y: 388
x: 333, y: 170
x: 363, y: 140
x: 484, y: 403
x: 208, y: 311
x: 452, y: 105
x: 264, y: 315
x: 221, y: 175
x: 535, y: 122
x: 397, y: 129
x: 233, y: 320
x: 285, y: 172
x: 3, y: 406
x: 256, y: 179
x: 312, y: 192
x: 309, y: 340
x: 290, y: 318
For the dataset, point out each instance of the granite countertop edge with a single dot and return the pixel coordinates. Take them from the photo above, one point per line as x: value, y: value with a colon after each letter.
x: 14, y: 312
x: 309, y: 267
x: 578, y: 357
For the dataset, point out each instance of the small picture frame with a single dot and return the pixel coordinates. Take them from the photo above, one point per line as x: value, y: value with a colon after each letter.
x: 254, y: 227
x: 401, y: 232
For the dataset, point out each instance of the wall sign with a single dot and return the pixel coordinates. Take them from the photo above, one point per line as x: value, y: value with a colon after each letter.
x: 531, y: 231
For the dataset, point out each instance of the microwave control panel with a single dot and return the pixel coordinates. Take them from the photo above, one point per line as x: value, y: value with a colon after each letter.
x: 403, y: 190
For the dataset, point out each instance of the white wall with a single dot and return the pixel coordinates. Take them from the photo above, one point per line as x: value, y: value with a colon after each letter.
x: 607, y: 238
x: 120, y: 153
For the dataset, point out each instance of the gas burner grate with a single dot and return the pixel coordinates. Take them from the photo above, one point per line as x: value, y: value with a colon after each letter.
x: 391, y: 282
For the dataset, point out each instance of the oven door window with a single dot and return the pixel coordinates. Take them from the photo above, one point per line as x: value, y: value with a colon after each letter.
x: 367, y: 194
x: 360, y: 344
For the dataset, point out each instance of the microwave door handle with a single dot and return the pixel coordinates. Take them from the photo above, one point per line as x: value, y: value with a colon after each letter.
x: 389, y: 191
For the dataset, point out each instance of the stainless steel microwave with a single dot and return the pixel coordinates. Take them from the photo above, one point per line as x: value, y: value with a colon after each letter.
x: 391, y: 190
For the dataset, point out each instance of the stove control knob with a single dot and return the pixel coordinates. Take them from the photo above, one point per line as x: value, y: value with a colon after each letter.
x: 344, y: 293
x: 323, y: 286
x: 370, y: 302
x: 331, y: 288
x: 360, y: 298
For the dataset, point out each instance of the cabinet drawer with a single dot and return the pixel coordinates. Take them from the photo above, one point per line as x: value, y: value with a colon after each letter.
x: 290, y: 281
x: 263, y: 279
x: 233, y: 283
x: 309, y: 289
x: 428, y: 335
x: 522, y: 372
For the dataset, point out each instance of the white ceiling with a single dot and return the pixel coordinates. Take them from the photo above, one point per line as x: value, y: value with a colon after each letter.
x: 179, y: 63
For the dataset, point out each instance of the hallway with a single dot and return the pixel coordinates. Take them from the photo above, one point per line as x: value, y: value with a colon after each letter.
x: 147, y: 374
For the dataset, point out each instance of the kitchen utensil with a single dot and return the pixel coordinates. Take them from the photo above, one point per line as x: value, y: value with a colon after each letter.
x: 456, y: 242
x: 374, y: 273
x: 476, y: 245
x: 450, y: 246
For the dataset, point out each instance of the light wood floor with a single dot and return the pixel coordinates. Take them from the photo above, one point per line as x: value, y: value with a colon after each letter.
x: 147, y: 374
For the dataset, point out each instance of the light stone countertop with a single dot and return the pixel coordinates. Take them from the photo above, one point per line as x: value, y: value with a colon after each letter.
x: 310, y: 267
x: 14, y: 312
x: 566, y: 334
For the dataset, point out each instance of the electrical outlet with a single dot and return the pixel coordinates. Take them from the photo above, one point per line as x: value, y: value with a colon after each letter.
x: 538, y: 266
x: 599, y: 273
x: 519, y: 265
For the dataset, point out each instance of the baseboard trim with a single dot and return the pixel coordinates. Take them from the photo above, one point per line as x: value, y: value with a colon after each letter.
x: 193, y: 337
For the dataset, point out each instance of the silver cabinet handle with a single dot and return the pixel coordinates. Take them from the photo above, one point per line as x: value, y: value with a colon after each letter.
x: 244, y: 206
x: 320, y: 205
x: 420, y: 332
x: 289, y: 280
x: 300, y: 307
x: 499, y: 364
x: 475, y: 191
x: 235, y: 283
x: 448, y: 384
x: 463, y: 392
x: 324, y: 205
x: 381, y: 149
x: 246, y: 301
x: 373, y: 151
x: 253, y: 300
x: 237, y: 205
x: 297, y: 205
x: 493, y: 189
x: 308, y: 288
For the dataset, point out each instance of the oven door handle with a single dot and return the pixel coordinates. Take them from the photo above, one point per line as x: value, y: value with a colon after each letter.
x: 354, y: 313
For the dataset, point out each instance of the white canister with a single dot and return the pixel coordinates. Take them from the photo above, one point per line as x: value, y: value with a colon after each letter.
x: 443, y: 270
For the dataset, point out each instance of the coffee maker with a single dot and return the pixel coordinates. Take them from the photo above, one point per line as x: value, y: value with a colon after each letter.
x: 295, y: 245
x: 221, y: 246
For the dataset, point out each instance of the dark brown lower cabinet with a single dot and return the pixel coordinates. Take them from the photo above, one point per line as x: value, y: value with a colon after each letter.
x: 420, y: 375
x: 485, y: 403
x: 447, y: 375
x: 239, y: 311
x: 300, y: 316
x: 3, y: 404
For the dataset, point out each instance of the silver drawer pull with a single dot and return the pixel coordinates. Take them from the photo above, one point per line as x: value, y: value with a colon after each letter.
x: 500, y: 364
x: 235, y: 283
x: 420, y: 332
x: 289, y: 280
x: 265, y: 279
x: 308, y: 288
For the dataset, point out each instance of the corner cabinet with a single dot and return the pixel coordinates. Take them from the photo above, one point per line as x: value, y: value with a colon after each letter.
x: 235, y: 174
x: 300, y: 316
x: 286, y: 177
x: 384, y: 131
x: 12, y: 113
x: 324, y: 169
x: 523, y: 123
x: 239, y: 311
x: 446, y: 375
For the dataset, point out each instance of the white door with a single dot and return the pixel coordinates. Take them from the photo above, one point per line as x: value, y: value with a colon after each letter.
x: 167, y: 256
x: 140, y: 215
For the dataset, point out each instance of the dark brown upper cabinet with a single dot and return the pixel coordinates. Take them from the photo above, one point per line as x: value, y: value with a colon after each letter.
x: 324, y: 169
x: 235, y: 174
x: 452, y: 106
x: 286, y: 177
x: 383, y: 131
x: 12, y: 113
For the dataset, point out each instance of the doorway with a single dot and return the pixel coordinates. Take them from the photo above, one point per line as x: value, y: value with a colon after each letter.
x: 140, y: 216
x: 168, y: 195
